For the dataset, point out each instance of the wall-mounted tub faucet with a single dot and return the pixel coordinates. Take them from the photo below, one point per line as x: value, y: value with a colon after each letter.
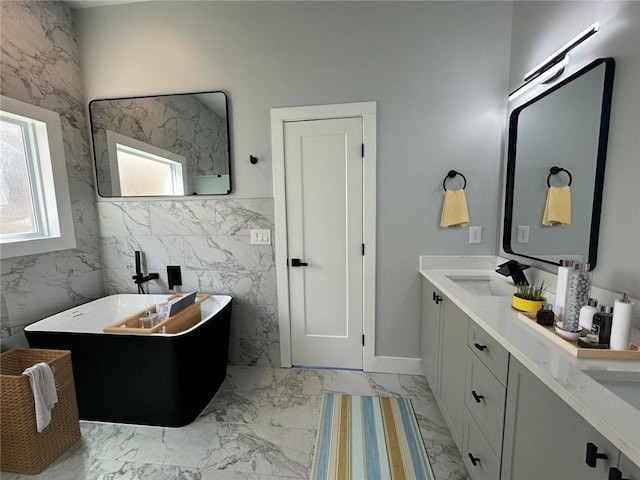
x: 139, y: 277
x: 515, y: 270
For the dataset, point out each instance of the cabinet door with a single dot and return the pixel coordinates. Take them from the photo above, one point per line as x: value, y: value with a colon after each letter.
x: 453, y: 350
x: 431, y: 335
x: 544, y: 438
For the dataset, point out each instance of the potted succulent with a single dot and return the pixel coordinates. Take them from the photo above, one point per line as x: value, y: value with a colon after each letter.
x: 529, y: 298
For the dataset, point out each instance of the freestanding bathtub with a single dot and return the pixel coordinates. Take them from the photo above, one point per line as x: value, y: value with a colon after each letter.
x: 158, y: 379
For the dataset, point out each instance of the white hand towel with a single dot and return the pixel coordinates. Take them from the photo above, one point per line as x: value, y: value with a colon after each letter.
x: 45, y: 396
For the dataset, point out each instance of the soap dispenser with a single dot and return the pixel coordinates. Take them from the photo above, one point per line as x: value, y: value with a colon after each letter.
x: 621, y: 324
x: 602, y: 324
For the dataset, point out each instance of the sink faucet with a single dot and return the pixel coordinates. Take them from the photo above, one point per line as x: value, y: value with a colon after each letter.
x: 515, y: 270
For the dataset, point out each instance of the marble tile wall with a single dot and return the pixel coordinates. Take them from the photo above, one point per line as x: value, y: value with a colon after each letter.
x: 209, y: 240
x: 40, y: 65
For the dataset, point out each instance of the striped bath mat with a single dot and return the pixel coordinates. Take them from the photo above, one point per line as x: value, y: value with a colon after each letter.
x: 370, y: 438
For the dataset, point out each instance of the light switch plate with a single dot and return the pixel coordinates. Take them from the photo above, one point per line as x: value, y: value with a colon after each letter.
x: 475, y: 234
x: 522, y: 234
x: 260, y: 237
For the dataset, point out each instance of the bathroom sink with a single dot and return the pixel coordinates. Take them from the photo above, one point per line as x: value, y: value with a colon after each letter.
x: 625, y: 385
x: 484, y: 286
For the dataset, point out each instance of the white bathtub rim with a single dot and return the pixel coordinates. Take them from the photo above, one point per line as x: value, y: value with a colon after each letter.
x: 72, y: 321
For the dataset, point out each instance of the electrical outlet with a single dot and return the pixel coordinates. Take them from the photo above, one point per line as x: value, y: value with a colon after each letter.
x: 475, y: 234
x: 522, y: 234
x: 260, y: 237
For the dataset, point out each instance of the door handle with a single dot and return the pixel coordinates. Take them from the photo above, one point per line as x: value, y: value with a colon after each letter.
x: 476, y: 397
x: 295, y: 262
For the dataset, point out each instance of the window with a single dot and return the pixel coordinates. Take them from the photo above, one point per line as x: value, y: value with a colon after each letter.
x: 141, y: 169
x: 35, y: 210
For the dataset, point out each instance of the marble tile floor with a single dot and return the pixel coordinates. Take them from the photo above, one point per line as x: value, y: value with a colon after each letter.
x: 261, y: 425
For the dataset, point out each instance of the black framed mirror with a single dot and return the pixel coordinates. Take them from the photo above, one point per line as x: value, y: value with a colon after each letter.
x: 162, y: 145
x: 559, y: 139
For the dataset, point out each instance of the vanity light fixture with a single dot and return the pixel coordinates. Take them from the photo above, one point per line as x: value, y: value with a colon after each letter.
x: 554, y: 64
x: 547, y: 76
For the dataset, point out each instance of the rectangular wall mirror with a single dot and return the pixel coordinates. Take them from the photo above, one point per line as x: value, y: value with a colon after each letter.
x: 565, y: 127
x: 164, y: 145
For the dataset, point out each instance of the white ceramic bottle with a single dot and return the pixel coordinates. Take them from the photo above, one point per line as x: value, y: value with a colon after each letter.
x: 561, y: 286
x: 621, y: 324
x: 587, y: 312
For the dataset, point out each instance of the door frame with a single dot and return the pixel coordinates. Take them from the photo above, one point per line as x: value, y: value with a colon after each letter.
x: 279, y: 116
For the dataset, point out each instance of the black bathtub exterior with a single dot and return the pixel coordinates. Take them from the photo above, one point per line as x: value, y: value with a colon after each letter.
x: 145, y: 380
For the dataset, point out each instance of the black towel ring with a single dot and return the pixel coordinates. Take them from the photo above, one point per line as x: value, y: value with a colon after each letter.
x: 555, y: 171
x: 452, y: 174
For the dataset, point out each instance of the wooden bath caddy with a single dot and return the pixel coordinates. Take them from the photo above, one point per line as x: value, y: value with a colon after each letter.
x: 572, y: 346
x: 181, y: 321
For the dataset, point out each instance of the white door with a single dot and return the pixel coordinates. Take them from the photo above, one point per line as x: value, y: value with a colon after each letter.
x: 323, y: 175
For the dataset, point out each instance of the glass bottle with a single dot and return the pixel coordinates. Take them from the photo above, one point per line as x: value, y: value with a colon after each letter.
x: 577, y: 296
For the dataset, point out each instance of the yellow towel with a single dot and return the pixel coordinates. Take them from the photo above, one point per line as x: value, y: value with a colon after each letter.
x: 454, y: 209
x: 558, y: 207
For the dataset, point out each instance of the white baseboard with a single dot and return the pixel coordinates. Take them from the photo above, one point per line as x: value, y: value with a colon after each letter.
x: 400, y: 365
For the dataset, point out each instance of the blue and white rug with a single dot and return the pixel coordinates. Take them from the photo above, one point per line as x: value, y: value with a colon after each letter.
x: 373, y: 438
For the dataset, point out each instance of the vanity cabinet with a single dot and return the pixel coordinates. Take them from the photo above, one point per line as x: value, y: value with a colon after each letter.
x: 485, y: 394
x: 545, y: 438
x: 506, y: 422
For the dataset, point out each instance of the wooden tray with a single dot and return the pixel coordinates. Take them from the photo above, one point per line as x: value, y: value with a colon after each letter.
x: 181, y: 321
x: 572, y: 346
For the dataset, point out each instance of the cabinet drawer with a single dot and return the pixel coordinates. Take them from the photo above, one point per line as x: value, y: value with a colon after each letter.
x: 485, y: 399
x: 492, y: 354
x: 480, y: 460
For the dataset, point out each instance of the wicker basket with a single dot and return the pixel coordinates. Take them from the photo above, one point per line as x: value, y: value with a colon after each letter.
x: 23, y: 449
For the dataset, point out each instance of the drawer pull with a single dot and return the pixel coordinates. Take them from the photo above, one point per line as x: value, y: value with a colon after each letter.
x: 476, y: 397
x: 474, y: 460
x: 480, y: 347
x: 615, y: 474
x: 593, y: 455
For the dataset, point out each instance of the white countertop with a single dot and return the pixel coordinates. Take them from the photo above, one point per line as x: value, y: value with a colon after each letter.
x: 614, y: 418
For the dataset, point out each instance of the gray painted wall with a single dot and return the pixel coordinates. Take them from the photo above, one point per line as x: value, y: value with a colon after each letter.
x: 40, y: 65
x: 438, y: 71
x: 539, y: 28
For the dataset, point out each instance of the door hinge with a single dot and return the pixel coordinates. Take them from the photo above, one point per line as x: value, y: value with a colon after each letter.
x: 363, y: 340
x: 363, y: 249
x: 363, y: 150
